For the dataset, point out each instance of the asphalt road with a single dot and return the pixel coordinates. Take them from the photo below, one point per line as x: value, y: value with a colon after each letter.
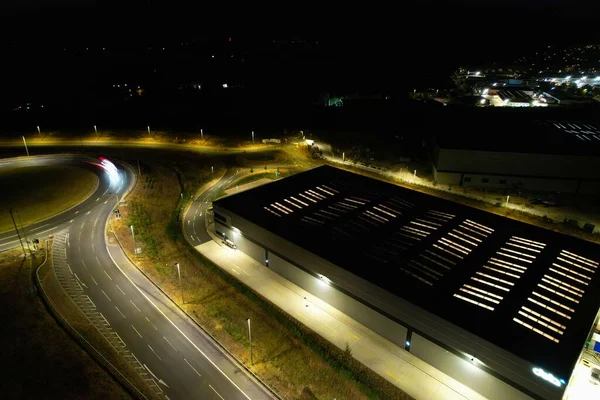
x: 42, y: 229
x: 185, y: 361
x: 195, y: 218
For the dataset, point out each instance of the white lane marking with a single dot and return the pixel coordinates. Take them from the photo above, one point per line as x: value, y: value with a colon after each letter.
x: 176, y: 327
x: 87, y: 213
x: 200, y: 213
x: 103, y: 292
x: 71, y: 221
x: 136, y: 331
x: 107, y: 274
x: 98, y: 199
x: 106, y: 202
x: 68, y: 240
x: 216, y: 392
x: 70, y: 270
x: 135, y: 305
x: 170, y: 344
x: 39, y: 227
x: 152, y: 373
x: 77, y: 212
x: 96, y: 222
x: 188, y: 363
x: 93, y: 234
x: 155, y: 353
x: 120, y: 312
x: 155, y: 328
x: 120, y: 289
x: 82, y: 224
x: 99, y: 263
x: 189, y: 221
x: 88, y: 297
x: 93, y: 279
x: 93, y: 248
x: 80, y: 281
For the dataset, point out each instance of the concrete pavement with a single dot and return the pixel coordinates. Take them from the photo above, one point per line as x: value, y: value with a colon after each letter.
x: 398, y: 366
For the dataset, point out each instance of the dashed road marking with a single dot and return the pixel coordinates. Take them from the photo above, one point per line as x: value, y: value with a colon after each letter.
x: 167, y: 340
x: 107, y: 274
x: 135, y: 306
x: 120, y: 312
x: 93, y: 279
x: 136, y: 331
x: 214, y: 390
x: 106, y: 295
x: 188, y: 363
x: 120, y: 289
x: 157, y: 356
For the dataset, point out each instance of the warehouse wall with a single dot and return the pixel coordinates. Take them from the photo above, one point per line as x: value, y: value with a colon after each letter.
x: 243, y: 244
x: 538, y: 165
x: 373, y: 320
x: 463, y: 371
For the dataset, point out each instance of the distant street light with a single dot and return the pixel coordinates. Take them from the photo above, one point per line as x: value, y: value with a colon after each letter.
x: 507, y: 198
x: 201, y: 134
x: 252, y: 136
x: 343, y: 156
x: 250, y: 339
x: 415, y: 174
x: 39, y: 132
x: 148, y: 129
x: 212, y: 169
x: 95, y: 129
x: 25, y: 143
x: 180, y: 284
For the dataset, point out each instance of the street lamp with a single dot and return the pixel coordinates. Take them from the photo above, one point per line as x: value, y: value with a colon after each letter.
x: 343, y: 156
x: 95, y: 130
x: 148, y: 130
x: 180, y: 284
x: 507, y: 198
x: 25, y: 143
x: 133, y: 235
x: 252, y: 136
x: 250, y: 339
x: 201, y: 134
x: 39, y: 132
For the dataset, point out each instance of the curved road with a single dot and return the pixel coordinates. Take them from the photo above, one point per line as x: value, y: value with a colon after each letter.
x: 174, y: 351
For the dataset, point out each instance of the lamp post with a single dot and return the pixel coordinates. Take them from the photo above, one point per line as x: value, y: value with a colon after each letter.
x: 250, y: 339
x: 96, y: 130
x: 133, y: 235
x: 38, y: 129
x: 252, y: 137
x: 180, y: 284
x: 148, y: 130
x: 201, y: 134
x: 24, y: 233
x: 507, y: 198
x: 343, y: 156
x: 17, y: 230
x: 25, y: 143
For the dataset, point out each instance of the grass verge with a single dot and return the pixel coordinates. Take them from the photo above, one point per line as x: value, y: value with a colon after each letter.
x: 60, y: 188
x: 293, y: 360
x: 41, y: 360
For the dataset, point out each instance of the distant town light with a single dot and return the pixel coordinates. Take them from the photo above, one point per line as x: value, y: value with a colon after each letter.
x: 225, y: 85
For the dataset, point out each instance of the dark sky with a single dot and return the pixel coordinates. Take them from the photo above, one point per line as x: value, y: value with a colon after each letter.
x: 400, y: 29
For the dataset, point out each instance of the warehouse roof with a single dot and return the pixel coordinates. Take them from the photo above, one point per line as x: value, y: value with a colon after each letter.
x: 534, y: 132
x: 528, y: 290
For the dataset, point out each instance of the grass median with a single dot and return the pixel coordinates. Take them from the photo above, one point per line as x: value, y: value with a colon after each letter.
x: 41, y: 360
x: 293, y: 360
x: 36, y: 193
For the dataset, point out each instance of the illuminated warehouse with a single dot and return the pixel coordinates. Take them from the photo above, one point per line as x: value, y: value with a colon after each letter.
x: 455, y: 286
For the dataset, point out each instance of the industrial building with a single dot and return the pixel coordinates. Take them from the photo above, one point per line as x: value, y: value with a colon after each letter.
x: 541, y: 155
x: 501, y: 306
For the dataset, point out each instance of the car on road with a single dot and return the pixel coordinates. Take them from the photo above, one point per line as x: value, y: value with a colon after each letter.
x: 229, y: 243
